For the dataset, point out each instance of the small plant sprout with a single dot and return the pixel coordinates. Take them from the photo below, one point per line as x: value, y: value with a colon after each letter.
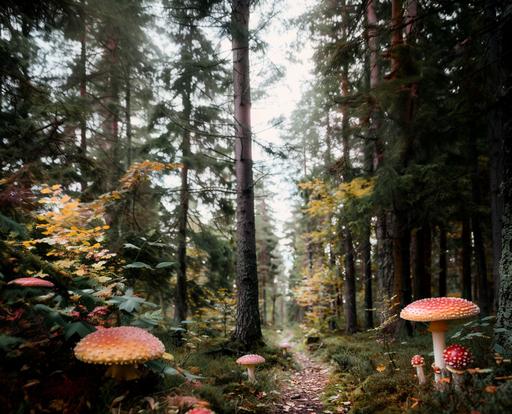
x: 457, y: 359
x: 250, y: 361
x: 418, y: 362
x: 437, y: 311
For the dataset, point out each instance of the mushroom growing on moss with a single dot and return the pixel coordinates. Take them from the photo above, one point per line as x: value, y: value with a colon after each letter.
x: 457, y: 359
x: 250, y: 361
x: 418, y: 362
x: 285, y: 346
x: 122, y: 348
x: 437, y: 311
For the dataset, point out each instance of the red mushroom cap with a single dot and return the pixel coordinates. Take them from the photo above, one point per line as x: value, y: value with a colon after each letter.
x: 457, y: 357
x: 31, y: 282
x: 251, y: 359
x: 199, y: 411
x: 417, y: 361
x: 118, y: 346
x: 439, y: 309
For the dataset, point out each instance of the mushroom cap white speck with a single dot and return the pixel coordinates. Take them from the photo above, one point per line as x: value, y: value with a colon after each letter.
x: 439, y: 309
x: 250, y: 359
x: 121, y: 345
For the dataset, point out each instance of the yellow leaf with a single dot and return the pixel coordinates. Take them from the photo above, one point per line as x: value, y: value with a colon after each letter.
x: 46, y: 191
x: 380, y: 368
x: 56, y: 187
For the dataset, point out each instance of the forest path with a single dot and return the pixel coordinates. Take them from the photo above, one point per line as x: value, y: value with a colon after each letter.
x: 302, y: 390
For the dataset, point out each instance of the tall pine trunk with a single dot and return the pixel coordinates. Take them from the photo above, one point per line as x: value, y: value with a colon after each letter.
x: 83, y: 94
x: 466, y: 259
x: 181, y: 307
x: 443, y: 262
x: 248, y: 328
x: 503, y: 336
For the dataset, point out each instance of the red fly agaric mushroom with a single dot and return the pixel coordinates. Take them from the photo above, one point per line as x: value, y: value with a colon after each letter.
x: 31, y: 282
x: 250, y: 361
x: 199, y: 411
x: 122, y: 348
x: 418, y: 362
x: 457, y: 358
x: 437, y: 311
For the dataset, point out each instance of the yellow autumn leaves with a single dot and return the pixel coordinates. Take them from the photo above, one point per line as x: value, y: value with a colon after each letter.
x: 324, y: 200
x: 75, y: 230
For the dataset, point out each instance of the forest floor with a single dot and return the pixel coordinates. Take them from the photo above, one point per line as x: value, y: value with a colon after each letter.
x: 301, y: 392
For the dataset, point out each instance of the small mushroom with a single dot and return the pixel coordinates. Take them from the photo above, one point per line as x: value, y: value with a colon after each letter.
x: 457, y: 358
x: 437, y: 311
x: 199, y: 411
x: 285, y: 346
x: 31, y: 282
x: 122, y: 348
x: 418, y: 362
x: 250, y: 361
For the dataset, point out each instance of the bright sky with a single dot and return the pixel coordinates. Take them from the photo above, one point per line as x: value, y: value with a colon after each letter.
x: 281, y: 100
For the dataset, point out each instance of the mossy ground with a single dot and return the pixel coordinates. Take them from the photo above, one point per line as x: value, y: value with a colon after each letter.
x: 375, y: 376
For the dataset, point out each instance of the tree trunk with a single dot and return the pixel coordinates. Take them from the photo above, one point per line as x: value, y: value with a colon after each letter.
x: 422, y: 263
x: 367, y: 272
x: 83, y: 93
x: 443, y: 262
x: 495, y: 132
x: 128, y: 118
x: 248, y: 328
x: 466, y: 259
x: 503, y: 337
x: 350, y: 283
x: 181, y: 307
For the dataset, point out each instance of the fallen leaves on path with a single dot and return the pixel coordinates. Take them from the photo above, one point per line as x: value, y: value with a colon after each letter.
x: 301, y: 394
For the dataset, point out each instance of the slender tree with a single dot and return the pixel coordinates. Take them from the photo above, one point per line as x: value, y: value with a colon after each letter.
x: 248, y: 328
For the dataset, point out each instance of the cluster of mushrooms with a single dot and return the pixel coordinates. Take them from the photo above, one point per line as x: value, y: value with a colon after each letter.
x: 453, y: 359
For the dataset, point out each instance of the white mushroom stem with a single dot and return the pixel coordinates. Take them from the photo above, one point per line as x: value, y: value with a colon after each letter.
x: 420, y: 374
x: 438, y: 329
x: 251, y: 372
x: 457, y: 377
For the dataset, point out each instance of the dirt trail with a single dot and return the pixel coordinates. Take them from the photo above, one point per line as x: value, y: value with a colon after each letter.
x: 302, y: 390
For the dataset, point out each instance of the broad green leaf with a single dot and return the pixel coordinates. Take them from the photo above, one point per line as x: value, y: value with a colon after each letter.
x: 7, y: 341
x: 80, y: 328
x: 131, y: 246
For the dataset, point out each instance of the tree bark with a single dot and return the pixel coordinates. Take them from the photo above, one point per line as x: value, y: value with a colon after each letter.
x: 248, y: 328
x: 422, y: 263
x: 181, y: 308
x: 367, y: 274
x: 83, y: 93
x: 503, y: 336
x: 128, y: 117
x: 350, y: 283
x: 466, y: 259
x: 495, y: 132
x: 443, y: 263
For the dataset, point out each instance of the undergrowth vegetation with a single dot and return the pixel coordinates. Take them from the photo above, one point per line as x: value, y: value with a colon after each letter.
x: 373, y: 374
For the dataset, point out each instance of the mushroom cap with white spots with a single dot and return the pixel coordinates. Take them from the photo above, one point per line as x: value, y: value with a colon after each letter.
x: 250, y: 359
x: 439, y: 309
x: 457, y: 357
x: 119, y: 346
x: 417, y: 361
x: 31, y: 282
